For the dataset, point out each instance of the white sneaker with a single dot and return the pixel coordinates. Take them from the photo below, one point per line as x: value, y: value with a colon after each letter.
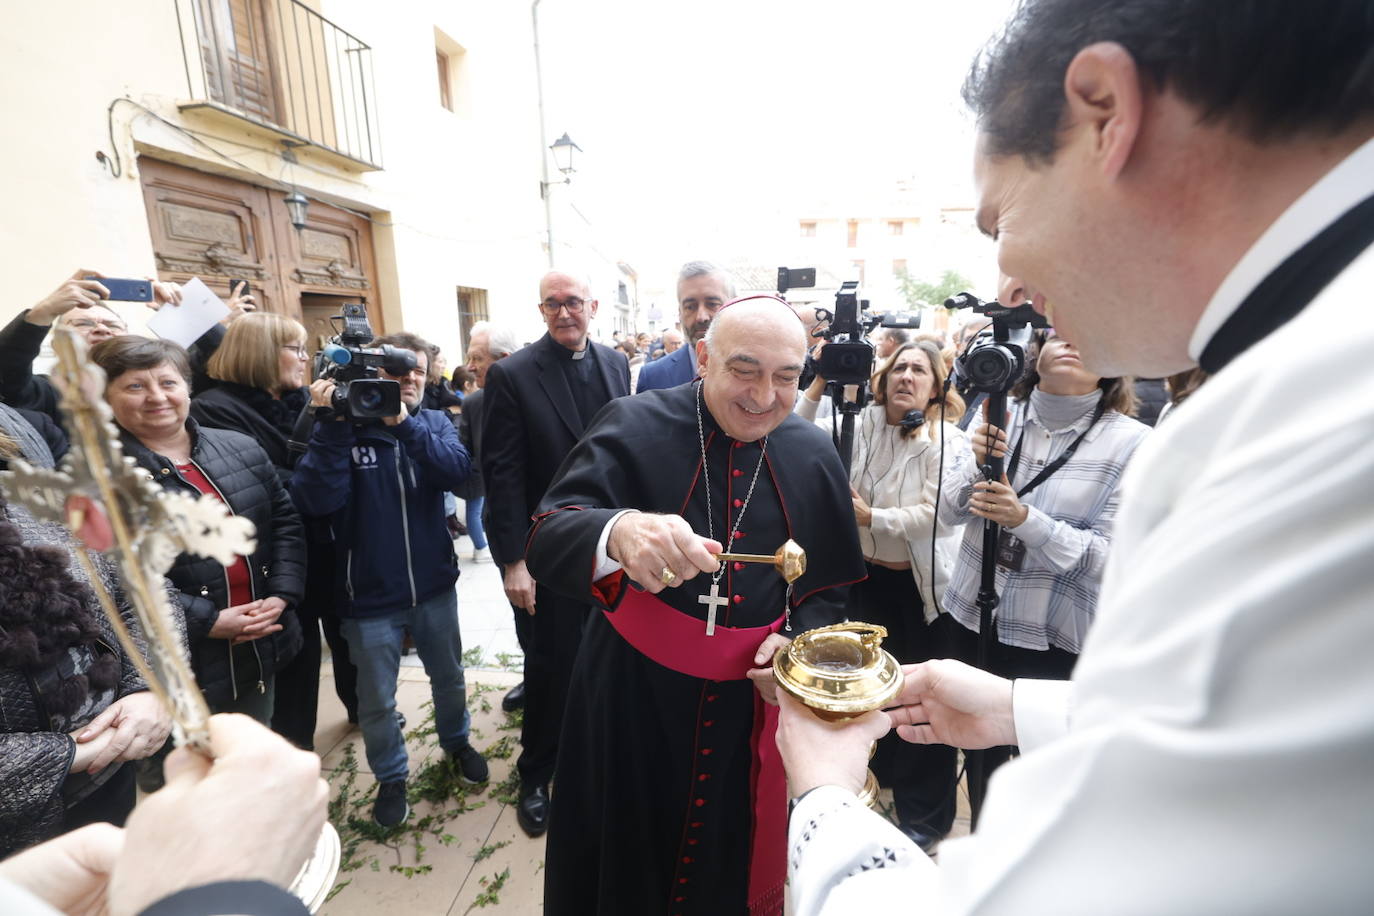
x: 481, y: 555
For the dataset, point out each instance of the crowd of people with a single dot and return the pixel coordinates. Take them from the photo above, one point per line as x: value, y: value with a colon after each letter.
x: 1147, y: 604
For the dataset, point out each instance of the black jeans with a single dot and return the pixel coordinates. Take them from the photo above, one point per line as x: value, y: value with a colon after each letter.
x: 298, y: 683
x: 921, y: 776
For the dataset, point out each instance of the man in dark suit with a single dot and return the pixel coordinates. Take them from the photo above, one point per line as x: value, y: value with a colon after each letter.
x: 702, y: 287
x: 538, y: 402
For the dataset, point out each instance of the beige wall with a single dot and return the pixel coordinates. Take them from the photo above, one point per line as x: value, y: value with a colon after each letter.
x: 457, y: 203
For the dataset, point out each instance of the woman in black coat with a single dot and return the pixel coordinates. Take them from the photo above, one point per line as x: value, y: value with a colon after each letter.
x: 257, y: 378
x: 240, y: 619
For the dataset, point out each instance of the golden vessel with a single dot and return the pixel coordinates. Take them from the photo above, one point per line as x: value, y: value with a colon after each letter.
x: 841, y: 672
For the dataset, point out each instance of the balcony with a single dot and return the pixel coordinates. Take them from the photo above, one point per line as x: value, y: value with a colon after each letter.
x: 285, y: 69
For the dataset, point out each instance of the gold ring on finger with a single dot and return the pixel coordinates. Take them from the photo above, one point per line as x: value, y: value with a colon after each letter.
x: 667, y: 577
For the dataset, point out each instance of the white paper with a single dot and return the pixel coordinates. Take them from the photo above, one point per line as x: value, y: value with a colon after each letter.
x: 199, y: 311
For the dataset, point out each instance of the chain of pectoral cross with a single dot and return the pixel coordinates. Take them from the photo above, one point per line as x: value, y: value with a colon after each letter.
x: 715, y: 600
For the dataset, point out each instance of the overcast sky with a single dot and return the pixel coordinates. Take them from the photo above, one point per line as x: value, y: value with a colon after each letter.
x: 705, y: 121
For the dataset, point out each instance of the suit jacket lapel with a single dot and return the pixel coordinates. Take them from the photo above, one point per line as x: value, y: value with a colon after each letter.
x: 555, y: 385
x: 616, y: 385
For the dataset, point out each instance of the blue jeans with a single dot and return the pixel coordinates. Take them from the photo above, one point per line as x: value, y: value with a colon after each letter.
x: 374, y: 645
x: 474, y: 522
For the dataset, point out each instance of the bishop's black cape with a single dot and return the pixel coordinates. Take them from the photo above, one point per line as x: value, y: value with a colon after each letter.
x: 651, y: 804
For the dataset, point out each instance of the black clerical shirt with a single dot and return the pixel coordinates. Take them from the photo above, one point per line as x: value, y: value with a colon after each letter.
x: 588, y: 387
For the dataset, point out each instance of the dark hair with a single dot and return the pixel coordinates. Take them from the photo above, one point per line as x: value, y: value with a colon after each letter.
x: 409, y: 341
x: 1117, y: 393
x: 1269, y: 69
x: 461, y: 376
x: 119, y: 355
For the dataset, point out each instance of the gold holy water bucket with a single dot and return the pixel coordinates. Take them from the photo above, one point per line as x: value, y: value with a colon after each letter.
x: 841, y: 672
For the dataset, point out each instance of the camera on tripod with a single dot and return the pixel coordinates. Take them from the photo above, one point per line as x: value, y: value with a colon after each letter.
x: 847, y: 358
x: 993, y: 364
x: 353, y: 366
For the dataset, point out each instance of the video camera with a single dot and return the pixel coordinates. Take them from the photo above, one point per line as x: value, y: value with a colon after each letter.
x: 994, y: 364
x: 847, y: 358
x: 358, y: 393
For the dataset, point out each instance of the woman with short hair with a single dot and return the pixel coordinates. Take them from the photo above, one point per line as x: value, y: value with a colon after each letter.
x: 240, y: 619
x: 259, y: 374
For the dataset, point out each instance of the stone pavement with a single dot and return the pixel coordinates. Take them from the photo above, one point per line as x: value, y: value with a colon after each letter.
x: 479, y: 861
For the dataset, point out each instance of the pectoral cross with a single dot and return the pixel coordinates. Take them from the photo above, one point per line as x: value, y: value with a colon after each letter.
x: 713, y: 601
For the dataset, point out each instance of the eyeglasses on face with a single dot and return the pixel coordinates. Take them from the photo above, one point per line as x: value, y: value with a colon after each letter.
x: 297, y: 349
x: 87, y: 323
x: 574, y: 306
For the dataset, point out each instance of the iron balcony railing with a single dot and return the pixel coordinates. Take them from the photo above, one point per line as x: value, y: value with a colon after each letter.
x: 280, y: 64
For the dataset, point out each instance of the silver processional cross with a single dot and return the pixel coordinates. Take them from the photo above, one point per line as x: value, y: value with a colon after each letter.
x: 714, y: 602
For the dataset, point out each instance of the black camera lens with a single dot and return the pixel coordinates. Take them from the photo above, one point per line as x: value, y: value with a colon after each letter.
x: 369, y: 398
x: 991, y: 368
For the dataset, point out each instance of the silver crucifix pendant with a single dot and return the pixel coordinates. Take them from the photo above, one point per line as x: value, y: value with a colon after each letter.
x: 712, y: 601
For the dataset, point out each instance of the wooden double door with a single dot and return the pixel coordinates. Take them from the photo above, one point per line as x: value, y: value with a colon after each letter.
x: 224, y: 230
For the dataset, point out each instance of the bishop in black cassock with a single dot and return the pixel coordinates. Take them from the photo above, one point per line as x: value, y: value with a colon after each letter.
x: 667, y: 798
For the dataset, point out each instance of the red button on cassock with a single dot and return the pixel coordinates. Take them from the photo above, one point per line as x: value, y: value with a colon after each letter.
x: 737, y: 472
x: 739, y: 566
x: 739, y: 503
x: 739, y: 599
x: 706, y: 752
x: 699, y: 802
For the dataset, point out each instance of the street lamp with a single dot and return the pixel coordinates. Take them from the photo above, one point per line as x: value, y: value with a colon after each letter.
x: 563, y: 155
x: 296, y: 206
x: 563, y: 149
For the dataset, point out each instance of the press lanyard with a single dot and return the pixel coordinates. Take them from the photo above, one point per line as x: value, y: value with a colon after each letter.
x: 1057, y: 463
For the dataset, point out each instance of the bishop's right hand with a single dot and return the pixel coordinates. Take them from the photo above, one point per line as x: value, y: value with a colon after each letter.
x: 646, y: 545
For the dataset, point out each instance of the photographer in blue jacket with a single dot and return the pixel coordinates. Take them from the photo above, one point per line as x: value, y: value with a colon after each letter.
x: 381, y: 484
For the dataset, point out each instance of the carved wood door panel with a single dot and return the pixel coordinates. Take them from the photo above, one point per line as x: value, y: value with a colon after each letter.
x: 332, y: 255
x: 220, y: 229
x: 213, y: 228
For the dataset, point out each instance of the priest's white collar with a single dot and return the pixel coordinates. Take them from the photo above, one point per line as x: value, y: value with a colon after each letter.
x: 1320, y: 205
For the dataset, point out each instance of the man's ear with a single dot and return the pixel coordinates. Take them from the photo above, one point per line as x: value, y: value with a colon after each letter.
x: 702, y: 357
x: 591, y: 308
x: 1103, y: 93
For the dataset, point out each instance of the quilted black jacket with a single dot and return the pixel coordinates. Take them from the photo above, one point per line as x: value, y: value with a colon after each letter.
x: 245, y: 476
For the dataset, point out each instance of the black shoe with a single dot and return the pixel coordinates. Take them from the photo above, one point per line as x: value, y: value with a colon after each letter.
x: 514, y: 698
x: 471, y: 764
x: 533, y: 810
x: 391, y: 807
x: 918, y: 835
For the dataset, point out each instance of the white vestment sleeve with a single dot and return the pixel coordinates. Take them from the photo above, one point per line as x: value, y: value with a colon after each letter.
x: 845, y: 859
x: 1042, y: 710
